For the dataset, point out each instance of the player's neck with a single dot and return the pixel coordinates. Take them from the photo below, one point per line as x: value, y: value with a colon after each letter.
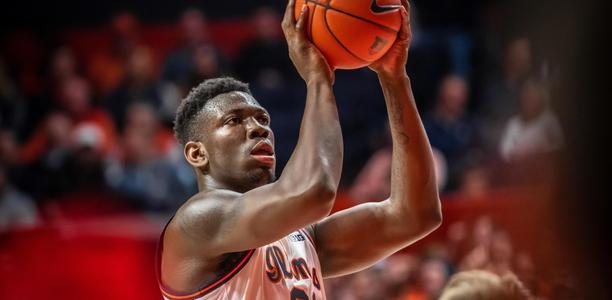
x: 209, y: 183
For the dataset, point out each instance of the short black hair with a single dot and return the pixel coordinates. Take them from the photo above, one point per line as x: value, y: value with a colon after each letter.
x: 193, y: 104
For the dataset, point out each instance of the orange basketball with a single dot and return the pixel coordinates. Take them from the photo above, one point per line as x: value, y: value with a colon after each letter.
x: 352, y: 33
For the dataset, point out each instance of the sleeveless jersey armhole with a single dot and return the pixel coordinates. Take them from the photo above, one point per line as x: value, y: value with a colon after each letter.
x: 238, y: 261
x: 309, y: 236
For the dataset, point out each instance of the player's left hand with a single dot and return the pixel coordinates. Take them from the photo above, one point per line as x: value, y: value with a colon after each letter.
x: 393, y: 63
x: 307, y: 59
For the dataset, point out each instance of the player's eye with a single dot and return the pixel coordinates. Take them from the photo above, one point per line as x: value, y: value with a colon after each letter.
x: 233, y: 121
x: 263, y: 120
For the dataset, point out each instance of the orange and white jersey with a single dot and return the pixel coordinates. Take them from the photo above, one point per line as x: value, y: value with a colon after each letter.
x: 286, y: 269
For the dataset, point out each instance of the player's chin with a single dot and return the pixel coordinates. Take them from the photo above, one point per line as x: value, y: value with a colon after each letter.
x: 262, y: 174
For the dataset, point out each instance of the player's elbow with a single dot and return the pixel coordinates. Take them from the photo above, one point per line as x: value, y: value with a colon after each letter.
x: 324, y: 193
x: 434, y: 220
x: 431, y: 219
x: 314, y: 196
x: 320, y: 196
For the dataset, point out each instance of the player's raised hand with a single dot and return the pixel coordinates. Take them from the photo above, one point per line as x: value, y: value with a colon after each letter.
x: 306, y: 58
x: 393, y: 63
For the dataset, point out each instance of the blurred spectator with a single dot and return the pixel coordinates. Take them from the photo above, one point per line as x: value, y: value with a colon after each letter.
x: 195, y: 59
x: 142, y: 173
x: 432, y: 277
x: 179, y: 65
x: 9, y: 148
x: 448, y: 126
x: 475, y: 182
x: 142, y: 117
x: 12, y: 105
x: 487, y: 247
x: 457, y: 241
x: 482, y: 285
x: 492, y: 250
x: 373, y: 183
x: 480, y: 241
x: 85, y: 163
x: 206, y: 65
x: 106, y: 67
x: 63, y: 65
x: 501, y: 254
x: 16, y: 209
x: 366, y: 286
x: 264, y: 60
x: 400, y: 272
x: 138, y: 85
x: 74, y: 97
x: 535, y: 130
x: 45, y: 157
x: 501, y: 93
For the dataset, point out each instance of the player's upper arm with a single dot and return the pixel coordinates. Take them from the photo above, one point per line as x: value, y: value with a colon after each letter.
x: 226, y: 221
x: 356, y: 238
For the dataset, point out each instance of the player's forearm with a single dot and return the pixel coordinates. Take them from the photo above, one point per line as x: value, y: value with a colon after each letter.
x: 413, y: 186
x: 317, y: 158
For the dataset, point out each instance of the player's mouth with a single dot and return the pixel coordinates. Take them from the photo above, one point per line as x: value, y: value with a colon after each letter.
x: 264, y: 153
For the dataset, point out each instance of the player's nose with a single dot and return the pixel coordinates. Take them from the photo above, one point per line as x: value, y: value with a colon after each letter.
x: 257, y: 130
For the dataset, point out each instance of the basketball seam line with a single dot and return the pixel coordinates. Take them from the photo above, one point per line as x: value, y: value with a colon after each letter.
x: 338, y: 40
x: 327, y: 6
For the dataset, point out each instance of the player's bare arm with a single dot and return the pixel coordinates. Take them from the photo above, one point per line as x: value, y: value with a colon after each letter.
x: 221, y: 220
x: 358, y: 237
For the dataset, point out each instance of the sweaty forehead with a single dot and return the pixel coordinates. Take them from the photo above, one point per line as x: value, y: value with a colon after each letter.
x: 224, y: 103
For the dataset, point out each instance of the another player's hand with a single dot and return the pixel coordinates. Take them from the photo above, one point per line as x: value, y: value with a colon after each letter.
x: 393, y: 63
x: 306, y: 58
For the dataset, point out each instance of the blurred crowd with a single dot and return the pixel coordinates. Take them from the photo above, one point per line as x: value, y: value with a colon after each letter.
x: 479, y: 245
x: 99, y: 123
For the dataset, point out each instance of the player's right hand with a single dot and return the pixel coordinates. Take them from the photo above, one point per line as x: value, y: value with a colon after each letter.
x: 393, y: 63
x: 307, y: 59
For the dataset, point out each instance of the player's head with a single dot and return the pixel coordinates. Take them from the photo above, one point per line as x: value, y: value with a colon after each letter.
x: 226, y: 134
x: 482, y: 285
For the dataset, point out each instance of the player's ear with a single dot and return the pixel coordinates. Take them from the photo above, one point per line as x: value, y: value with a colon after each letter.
x: 196, y: 154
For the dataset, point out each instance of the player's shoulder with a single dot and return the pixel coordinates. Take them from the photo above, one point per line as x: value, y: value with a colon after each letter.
x: 203, y: 210
x: 205, y: 201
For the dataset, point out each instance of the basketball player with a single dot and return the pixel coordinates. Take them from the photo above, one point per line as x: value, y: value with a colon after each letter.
x: 246, y: 235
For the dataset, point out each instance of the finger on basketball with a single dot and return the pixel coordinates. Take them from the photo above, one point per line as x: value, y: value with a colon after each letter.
x: 302, y: 20
x: 406, y: 5
x: 288, y: 18
x: 404, y: 31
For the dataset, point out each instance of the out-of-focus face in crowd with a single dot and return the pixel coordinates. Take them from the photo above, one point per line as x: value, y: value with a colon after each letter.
x: 266, y: 22
x: 206, y: 63
x: 74, y: 95
x: 433, y: 276
x: 518, y: 58
x: 139, y: 134
x: 125, y: 29
x: 140, y: 65
x: 58, y: 128
x: 193, y: 27
x: 63, y: 64
x: 142, y: 117
x: 453, y: 96
x: 9, y: 149
x: 483, y: 231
